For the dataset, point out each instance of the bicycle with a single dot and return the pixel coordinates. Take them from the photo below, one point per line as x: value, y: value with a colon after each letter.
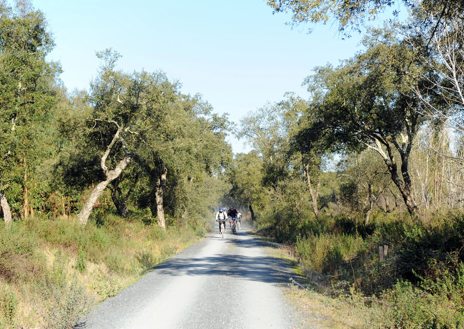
x: 221, y: 228
x: 234, y: 226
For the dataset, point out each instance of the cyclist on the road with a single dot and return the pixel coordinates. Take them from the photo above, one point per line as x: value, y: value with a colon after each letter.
x: 239, y: 217
x: 232, y: 213
x: 221, y: 217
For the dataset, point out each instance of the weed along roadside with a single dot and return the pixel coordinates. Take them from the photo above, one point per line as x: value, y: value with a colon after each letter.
x: 53, y: 272
x: 355, y: 278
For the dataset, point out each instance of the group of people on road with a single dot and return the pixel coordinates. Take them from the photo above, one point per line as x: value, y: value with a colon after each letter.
x: 232, y: 214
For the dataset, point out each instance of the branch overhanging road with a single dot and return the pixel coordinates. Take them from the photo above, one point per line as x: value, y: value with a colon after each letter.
x: 216, y: 283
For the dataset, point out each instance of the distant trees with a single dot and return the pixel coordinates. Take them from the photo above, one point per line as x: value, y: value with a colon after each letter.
x: 246, y: 176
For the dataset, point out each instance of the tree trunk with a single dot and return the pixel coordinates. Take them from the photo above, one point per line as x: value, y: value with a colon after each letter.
x: 404, y: 185
x: 118, y: 199
x: 252, y: 212
x: 370, y: 201
x: 5, y: 208
x: 26, y: 195
x: 111, y: 175
x: 314, y: 195
x: 159, y: 193
x: 100, y: 188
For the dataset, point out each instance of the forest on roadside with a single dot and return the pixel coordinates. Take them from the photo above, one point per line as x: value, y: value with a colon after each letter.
x: 97, y: 186
x: 364, y: 178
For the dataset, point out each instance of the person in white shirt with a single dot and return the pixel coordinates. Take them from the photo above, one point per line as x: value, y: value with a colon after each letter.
x: 221, y: 217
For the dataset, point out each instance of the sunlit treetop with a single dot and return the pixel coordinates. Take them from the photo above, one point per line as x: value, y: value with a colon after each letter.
x: 352, y: 15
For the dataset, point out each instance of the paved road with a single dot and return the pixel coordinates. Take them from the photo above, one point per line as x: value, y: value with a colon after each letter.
x: 216, y: 283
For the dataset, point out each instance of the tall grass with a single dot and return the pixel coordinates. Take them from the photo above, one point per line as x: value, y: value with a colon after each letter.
x: 419, y: 285
x: 53, y: 271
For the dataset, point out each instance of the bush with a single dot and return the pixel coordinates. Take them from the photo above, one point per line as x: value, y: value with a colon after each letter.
x: 18, y: 254
x: 419, y: 285
x: 412, y: 307
x: 8, y: 307
x: 61, y: 303
x: 62, y: 267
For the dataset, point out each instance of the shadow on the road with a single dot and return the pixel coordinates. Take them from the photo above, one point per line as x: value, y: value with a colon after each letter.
x: 250, y: 243
x: 263, y: 269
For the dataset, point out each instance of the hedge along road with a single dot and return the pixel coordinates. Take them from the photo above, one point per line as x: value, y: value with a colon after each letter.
x: 216, y: 283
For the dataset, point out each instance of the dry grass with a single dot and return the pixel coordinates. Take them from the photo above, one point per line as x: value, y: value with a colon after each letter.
x: 312, y: 298
x: 52, y: 272
x: 325, y: 312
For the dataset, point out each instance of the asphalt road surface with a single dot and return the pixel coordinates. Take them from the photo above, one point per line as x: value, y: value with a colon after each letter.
x: 228, y: 282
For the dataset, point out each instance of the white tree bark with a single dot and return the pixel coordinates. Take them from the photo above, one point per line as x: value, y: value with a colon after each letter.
x: 5, y: 208
x: 110, y: 176
x: 314, y: 194
x: 161, y: 184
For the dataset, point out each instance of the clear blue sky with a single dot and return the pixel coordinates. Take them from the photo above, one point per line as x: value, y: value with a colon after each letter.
x: 236, y: 53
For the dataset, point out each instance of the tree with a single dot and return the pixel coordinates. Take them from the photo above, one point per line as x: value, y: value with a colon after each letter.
x: 352, y: 15
x: 187, y: 142
x: 123, y: 108
x: 368, y: 102
x: 311, y: 148
x: 443, y: 98
x: 246, y: 177
x: 269, y: 131
x: 365, y: 182
x: 27, y: 96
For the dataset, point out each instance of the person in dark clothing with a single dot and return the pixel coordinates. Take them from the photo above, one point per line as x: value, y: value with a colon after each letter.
x: 232, y: 213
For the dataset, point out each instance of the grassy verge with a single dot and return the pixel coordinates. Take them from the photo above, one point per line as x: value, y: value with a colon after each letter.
x: 53, y: 271
x: 420, y: 284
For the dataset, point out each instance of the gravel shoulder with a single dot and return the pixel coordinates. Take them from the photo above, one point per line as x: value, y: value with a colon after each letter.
x: 218, y: 282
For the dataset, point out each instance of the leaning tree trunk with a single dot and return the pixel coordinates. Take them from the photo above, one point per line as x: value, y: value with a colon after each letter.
x: 110, y: 176
x: 403, y: 183
x: 100, y: 188
x: 159, y: 193
x: 5, y: 208
x: 314, y: 194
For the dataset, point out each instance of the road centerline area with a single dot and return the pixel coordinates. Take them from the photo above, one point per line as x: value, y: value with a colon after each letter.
x: 217, y: 283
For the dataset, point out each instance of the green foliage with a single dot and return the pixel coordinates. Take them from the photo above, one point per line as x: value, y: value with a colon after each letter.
x: 246, y: 176
x: 106, y: 286
x: 355, y: 15
x: 28, y: 99
x: 412, y: 307
x: 18, y: 256
x: 65, y: 302
x: 81, y: 260
x: 8, y: 308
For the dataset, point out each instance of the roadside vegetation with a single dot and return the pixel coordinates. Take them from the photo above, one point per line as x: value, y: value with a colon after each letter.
x: 97, y: 186
x: 363, y: 181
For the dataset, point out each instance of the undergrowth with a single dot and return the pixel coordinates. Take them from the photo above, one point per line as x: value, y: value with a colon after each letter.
x: 54, y: 271
x: 419, y: 284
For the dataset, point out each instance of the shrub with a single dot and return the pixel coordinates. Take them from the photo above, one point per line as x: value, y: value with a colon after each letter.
x: 61, y: 303
x: 413, y: 307
x: 8, y: 307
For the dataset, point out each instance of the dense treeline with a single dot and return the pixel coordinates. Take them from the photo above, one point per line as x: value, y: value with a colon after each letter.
x: 134, y: 136
x: 96, y: 186
x: 372, y: 158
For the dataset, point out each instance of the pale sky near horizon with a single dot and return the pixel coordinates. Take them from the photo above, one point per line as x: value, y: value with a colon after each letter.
x: 237, y: 54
